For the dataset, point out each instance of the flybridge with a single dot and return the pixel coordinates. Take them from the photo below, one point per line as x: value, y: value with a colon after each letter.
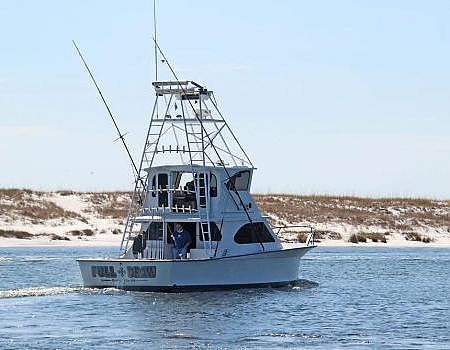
x: 186, y: 89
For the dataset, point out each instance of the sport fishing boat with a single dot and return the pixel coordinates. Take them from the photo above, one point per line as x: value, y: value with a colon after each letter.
x: 194, y: 172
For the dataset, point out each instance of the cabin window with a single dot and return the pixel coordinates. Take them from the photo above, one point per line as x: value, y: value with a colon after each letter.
x: 163, y: 198
x: 154, y: 231
x: 160, y: 183
x: 213, y: 186
x: 176, y: 178
x: 215, y: 233
x: 256, y: 232
x: 239, y: 181
x: 154, y: 186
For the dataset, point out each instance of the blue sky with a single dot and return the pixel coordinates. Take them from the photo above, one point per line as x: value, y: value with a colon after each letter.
x: 327, y: 97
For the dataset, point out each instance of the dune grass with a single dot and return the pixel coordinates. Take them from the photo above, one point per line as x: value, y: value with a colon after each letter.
x: 387, y: 213
x: 24, y: 203
x: 375, y: 217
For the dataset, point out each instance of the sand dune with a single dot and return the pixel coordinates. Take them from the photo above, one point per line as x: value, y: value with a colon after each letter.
x: 97, y: 218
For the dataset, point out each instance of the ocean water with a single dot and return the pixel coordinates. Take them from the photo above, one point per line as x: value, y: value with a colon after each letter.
x: 347, y: 298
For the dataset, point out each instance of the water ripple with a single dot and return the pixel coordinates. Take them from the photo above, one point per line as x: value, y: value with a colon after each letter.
x: 354, y: 299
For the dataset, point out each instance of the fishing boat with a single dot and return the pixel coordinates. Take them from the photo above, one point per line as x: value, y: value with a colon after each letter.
x: 194, y: 174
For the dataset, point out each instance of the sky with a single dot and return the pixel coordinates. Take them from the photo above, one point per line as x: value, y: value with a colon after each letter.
x: 327, y: 97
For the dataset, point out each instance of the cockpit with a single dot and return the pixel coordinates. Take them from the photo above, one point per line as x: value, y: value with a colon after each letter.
x: 181, y: 190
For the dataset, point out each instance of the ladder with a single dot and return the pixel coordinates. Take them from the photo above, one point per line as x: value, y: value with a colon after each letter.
x: 197, y: 138
x: 140, y: 190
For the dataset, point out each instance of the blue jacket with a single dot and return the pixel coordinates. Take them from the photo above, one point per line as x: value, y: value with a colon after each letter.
x: 181, y: 239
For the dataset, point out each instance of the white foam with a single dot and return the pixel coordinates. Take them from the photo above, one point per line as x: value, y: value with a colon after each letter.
x: 36, y: 292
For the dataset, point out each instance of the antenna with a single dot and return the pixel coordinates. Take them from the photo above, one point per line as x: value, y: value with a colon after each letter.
x: 154, y: 31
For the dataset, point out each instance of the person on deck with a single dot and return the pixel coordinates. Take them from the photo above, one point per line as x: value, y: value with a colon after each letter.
x: 181, y: 242
x: 138, y: 247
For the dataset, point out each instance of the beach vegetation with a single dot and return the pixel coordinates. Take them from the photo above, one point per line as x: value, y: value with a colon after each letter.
x: 374, y: 236
x: 373, y: 218
x: 16, y: 234
x: 301, y: 237
x: 414, y: 236
x: 86, y: 232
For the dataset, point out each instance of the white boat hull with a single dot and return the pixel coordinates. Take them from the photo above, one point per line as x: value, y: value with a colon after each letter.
x: 271, y: 268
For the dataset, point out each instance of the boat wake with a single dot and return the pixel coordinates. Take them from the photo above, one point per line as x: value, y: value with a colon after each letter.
x: 37, y: 292
x: 46, y: 291
x: 299, y: 285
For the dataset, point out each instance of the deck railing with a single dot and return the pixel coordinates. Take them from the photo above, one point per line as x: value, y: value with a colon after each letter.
x: 309, y: 239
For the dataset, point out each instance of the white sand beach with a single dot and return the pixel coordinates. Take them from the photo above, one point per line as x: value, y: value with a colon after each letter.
x: 75, y: 219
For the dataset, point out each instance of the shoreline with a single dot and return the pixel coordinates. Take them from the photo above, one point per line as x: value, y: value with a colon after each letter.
x: 73, y: 219
x: 115, y: 242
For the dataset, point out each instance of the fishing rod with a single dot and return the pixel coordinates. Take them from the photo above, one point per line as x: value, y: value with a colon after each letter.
x: 121, y: 136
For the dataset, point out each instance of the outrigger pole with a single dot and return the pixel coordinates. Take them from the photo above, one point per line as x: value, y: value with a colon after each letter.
x: 121, y: 136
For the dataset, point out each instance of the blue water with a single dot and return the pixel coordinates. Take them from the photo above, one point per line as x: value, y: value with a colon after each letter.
x: 348, y: 298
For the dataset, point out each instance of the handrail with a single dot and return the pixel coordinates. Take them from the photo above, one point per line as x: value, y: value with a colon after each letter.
x: 309, y: 239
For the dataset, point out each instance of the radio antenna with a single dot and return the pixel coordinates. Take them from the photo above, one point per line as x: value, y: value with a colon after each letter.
x: 154, y: 32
